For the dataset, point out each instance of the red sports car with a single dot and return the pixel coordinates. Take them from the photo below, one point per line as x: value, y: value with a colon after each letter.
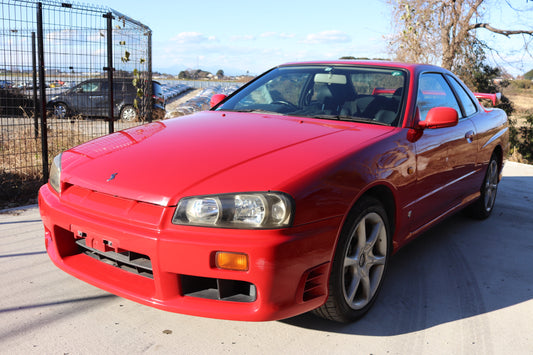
x: 290, y: 195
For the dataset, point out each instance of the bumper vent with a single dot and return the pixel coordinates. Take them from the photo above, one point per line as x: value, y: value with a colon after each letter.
x: 315, y: 283
x: 218, y: 289
x: 127, y: 260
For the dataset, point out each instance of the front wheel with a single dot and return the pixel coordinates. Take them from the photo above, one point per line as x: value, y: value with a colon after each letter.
x: 129, y: 114
x: 359, y: 264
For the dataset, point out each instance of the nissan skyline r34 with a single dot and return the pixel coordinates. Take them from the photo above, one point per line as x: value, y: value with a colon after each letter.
x: 289, y: 195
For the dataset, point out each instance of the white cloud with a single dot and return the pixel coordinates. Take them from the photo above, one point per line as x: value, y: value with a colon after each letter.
x: 277, y: 35
x: 192, y: 37
x: 327, y: 37
x: 243, y: 38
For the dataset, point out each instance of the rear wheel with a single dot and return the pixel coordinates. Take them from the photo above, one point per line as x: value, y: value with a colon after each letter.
x: 61, y: 110
x: 129, y: 114
x: 359, y: 264
x: 482, y: 208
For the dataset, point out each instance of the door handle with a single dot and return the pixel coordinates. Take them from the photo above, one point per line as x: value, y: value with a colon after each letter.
x: 470, y: 136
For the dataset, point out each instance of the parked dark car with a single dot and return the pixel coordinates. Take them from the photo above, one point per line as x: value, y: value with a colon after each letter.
x: 4, y: 84
x: 91, y: 98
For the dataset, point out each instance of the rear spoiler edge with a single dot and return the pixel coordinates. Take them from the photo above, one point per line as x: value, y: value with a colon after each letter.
x: 494, y: 98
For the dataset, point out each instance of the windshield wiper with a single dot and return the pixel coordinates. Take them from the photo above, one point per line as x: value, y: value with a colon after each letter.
x: 332, y: 117
x: 348, y: 118
x: 256, y: 110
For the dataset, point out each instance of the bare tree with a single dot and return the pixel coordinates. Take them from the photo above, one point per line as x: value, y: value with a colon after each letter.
x: 441, y: 31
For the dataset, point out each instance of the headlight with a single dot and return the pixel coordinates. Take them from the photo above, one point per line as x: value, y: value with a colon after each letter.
x: 55, y: 174
x: 246, y: 210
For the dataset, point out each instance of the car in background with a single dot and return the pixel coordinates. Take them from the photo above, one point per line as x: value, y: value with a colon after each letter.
x: 4, y: 84
x: 56, y: 83
x: 91, y: 98
x: 289, y: 195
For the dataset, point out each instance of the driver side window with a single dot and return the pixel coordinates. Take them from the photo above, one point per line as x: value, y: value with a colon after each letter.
x: 284, y: 89
x: 434, y: 91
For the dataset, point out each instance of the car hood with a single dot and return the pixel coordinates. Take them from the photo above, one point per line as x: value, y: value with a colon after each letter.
x: 209, y: 152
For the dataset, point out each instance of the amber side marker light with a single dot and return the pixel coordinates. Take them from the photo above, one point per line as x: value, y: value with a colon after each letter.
x: 231, y: 261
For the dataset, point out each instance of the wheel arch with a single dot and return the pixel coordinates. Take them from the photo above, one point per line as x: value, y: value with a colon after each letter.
x: 498, y: 151
x: 119, y: 107
x: 57, y: 102
x: 385, y: 196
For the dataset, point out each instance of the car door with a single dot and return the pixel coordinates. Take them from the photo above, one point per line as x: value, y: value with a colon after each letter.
x: 88, y: 98
x: 445, y: 156
x: 124, y: 93
x: 465, y: 154
x: 78, y: 98
x: 99, y: 98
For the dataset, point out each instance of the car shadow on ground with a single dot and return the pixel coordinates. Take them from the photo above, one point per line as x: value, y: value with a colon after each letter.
x: 459, y: 269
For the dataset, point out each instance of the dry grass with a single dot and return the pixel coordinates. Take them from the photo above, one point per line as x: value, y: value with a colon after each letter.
x: 21, y: 164
x: 522, y: 99
x: 522, y: 102
x: 21, y: 152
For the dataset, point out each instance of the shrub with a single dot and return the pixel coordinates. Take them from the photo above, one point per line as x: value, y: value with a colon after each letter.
x: 522, y: 138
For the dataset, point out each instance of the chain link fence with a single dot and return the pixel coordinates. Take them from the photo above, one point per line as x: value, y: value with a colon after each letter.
x: 58, y: 63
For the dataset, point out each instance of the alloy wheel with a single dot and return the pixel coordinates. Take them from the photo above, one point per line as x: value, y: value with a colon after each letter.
x: 364, y: 262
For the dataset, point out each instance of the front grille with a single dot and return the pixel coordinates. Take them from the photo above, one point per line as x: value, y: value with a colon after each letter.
x: 126, y: 260
x: 218, y: 289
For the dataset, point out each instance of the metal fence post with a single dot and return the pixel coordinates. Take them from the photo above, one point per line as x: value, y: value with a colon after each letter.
x: 42, y: 91
x: 109, y: 70
x: 150, y: 85
x: 34, y: 85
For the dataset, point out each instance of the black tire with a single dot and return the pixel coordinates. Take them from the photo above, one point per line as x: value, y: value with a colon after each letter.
x: 129, y: 114
x: 359, y: 263
x: 482, y: 208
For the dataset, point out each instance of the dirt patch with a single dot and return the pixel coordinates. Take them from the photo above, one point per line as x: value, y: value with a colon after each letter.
x: 181, y: 99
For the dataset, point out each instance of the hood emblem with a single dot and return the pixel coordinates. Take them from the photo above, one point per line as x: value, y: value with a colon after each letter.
x: 112, y: 177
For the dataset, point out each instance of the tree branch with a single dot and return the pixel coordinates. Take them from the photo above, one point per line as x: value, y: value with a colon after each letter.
x: 506, y: 33
x: 473, y: 10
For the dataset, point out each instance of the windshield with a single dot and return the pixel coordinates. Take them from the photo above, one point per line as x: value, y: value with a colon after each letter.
x: 348, y: 93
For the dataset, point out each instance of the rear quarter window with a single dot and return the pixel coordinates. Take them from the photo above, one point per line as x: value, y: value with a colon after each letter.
x: 468, y: 105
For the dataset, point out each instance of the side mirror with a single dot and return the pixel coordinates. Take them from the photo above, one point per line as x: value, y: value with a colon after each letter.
x: 440, y: 117
x: 216, y: 99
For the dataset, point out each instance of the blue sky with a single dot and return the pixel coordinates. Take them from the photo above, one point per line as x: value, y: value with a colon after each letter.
x: 253, y: 36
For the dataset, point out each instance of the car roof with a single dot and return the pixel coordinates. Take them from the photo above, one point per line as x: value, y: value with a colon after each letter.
x: 412, y: 67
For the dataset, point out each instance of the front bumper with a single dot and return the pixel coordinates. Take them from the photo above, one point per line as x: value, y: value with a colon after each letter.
x: 131, y: 249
